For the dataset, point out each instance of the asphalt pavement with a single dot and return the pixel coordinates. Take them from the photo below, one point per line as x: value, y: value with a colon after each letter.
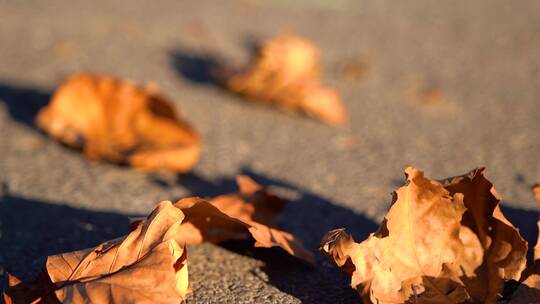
x: 445, y: 86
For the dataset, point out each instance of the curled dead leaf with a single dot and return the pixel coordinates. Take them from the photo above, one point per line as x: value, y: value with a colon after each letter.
x: 439, y: 243
x: 503, y: 249
x: 149, y: 265
x: 286, y: 73
x: 417, y: 241
x: 115, y: 120
x: 250, y: 213
x: 206, y: 223
x: 252, y: 202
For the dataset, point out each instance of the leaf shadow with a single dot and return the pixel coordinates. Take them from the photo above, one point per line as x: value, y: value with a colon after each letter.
x: 23, y: 102
x: 525, y: 221
x: 33, y: 229
x: 202, y: 68
x: 207, y: 67
x: 309, y: 217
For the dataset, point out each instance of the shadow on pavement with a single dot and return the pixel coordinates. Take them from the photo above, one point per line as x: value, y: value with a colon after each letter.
x: 525, y: 221
x: 208, y: 68
x: 23, y: 103
x: 322, y: 283
x: 204, y: 68
x: 32, y: 229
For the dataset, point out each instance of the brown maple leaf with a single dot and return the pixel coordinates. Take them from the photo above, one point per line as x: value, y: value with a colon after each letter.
x: 252, y: 202
x: 439, y: 243
x: 149, y: 265
x: 251, y: 213
x: 417, y: 241
x: 503, y: 249
x: 206, y: 222
x: 260, y: 209
x: 115, y: 120
x: 286, y: 73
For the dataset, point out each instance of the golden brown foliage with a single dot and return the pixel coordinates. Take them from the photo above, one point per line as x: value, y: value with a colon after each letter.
x: 250, y: 213
x: 441, y: 242
x: 206, y: 223
x: 115, y: 120
x: 502, y: 248
x: 286, y: 73
x: 252, y: 202
x: 147, y: 266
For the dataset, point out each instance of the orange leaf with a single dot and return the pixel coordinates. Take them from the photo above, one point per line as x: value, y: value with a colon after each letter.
x: 251, y: 213
x: 204, y: 222
x: 413, y: 251
x: 252, y: 203
x: 286, y: 73
x: 115, y: 120
x: 146, y: 266
x: 504, y: 250
x: 149, y: 265
x: 439, y: 243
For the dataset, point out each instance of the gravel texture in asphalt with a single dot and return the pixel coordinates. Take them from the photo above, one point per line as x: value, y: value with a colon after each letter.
x: 445, y: 86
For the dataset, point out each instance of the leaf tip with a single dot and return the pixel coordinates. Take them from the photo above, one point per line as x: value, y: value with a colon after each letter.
x: 247, y: 185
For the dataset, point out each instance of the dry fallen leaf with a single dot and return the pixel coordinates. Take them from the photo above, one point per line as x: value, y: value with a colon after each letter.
x: 286, y: 73
x: 115, y: 120
x: 260, y: 209
x: 148, y: 265
x: 414, y: 250
x: 251, y: 213
x: 503, y: 249
x: 252, y: 203
x: 439, y: 243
